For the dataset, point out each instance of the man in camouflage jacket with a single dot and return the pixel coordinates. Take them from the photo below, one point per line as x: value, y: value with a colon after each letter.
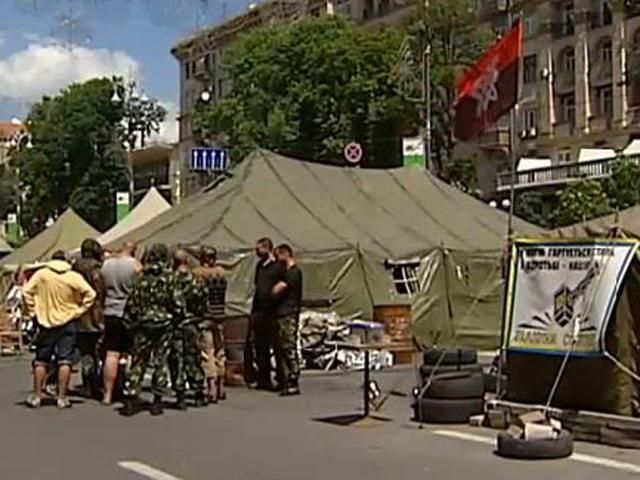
x: 185, y: 363
x: 150, y: 313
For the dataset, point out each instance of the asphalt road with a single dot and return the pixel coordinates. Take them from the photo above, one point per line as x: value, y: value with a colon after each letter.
x: 258, y: 436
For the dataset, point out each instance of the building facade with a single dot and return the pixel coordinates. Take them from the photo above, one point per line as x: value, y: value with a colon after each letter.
x: 10, y: 133
x: 201, y: 57
x: 580, y: 79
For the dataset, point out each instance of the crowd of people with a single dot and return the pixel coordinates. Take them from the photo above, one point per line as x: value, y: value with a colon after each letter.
x: 118, y: 318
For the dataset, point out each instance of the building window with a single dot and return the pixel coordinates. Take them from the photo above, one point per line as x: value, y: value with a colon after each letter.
x: 568, y: 27
x: 500, y: 25
x: 529, y: 24
x: 568, y: 109
x: 405, y: 277
x: 635, y: 43
x: 187, y: 70
x: 605, y: 50
x: 564, y: 156
x: 605, y: 12
x: 568, y: 60
x: 605, y: 101
x: 529, y: 122
x: 529, y: 69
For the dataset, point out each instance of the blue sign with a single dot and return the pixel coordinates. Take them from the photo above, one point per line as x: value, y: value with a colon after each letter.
x: 209, y: 159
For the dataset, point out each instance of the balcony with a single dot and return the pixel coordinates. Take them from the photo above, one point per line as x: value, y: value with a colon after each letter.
x: 632, y: 8
x: 558, y: 175
x: 565, y: 81
x: 562, y: 29
x: 602, y: 73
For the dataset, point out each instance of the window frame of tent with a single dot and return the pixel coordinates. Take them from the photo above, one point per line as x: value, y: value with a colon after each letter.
x: 405, y: 277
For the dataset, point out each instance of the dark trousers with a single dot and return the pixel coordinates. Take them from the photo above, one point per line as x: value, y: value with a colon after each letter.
x: 88, y: 349
x: 264, y: 340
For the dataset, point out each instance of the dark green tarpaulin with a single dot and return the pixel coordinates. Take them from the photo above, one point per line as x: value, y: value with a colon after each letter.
x: 66, y: 234
x: 393, y: 213
x: 346, y: 224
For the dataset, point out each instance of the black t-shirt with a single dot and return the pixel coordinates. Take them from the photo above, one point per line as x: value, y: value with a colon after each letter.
x: 267, y: 275
x: 291, y: 301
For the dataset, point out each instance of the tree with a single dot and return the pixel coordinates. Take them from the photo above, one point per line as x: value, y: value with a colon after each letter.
x: 623, y: 186
x: 307, y: 88
x: 456, y: 40
x: 7, y: 191
x: 77, y: 159
x: 581, y: 201
x: 532, y: 207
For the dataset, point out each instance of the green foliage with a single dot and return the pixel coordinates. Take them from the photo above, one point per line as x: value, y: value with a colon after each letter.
x: 623, y: 186
x: 308, y: 88
x: 77, y: 158
x: 8, y: 185
x: 581, y: 201
x: 456, y: 39
x: 461, y: 172
x: 532, y: 207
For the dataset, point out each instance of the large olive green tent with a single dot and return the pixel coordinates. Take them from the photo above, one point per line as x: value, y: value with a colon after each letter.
x: 625, y: 222
x: 65, y: 234
x: 366, y: 237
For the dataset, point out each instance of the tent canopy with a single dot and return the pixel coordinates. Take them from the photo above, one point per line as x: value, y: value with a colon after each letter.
x: 626, y: 221
x: 67, y: 233
x: 151, y: 205
x: 393, y: 213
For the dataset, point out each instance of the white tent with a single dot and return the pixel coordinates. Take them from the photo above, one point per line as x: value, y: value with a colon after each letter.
x: 151, y: 205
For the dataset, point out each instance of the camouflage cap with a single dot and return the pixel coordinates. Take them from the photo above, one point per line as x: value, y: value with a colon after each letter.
x: 158, y: 253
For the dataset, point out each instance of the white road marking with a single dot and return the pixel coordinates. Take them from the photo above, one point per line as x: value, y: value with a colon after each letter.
x: 578, y: 457
x: 605, y: 462
x: 146, y: 471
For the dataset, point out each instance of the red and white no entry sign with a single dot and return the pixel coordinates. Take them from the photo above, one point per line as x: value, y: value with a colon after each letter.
x: 353, y: 152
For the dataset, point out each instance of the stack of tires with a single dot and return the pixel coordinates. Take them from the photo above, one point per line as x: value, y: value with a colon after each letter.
x: 452, y: 387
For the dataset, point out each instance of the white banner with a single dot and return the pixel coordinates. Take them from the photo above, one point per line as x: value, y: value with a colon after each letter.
x: 561, y: 290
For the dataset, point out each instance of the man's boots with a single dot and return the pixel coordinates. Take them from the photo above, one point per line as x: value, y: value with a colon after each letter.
x: 156, y: 407
x: 181, y: 401
x: 129, y: 407
x: 200, y: 400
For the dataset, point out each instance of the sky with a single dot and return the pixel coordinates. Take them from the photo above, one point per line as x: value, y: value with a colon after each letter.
x: 47, y: 44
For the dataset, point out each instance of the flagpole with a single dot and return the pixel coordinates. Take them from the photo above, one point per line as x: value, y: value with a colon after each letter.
x: 513, y: 161
x: 426, y: 60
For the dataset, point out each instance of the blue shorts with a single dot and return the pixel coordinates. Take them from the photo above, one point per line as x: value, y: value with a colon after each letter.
x: 56, y: 343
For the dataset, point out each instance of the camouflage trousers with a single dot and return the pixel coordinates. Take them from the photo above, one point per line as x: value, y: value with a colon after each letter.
x: 185, y: 360
x: 150, y: 350
x: 287, y: 350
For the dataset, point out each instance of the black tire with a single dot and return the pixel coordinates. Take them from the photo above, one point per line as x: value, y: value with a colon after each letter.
x: 491, y: 382
x: 431, y: 410
x: 510, y: 447
x: 456, y: 386
x: 426, y: 370
x: 453, y: 356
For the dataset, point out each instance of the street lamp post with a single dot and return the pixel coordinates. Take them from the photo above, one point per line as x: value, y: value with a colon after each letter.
x: 20, y: 141
x: 127, y: 99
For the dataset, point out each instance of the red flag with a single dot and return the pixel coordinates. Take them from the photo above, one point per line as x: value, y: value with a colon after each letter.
x: 489, y: 89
